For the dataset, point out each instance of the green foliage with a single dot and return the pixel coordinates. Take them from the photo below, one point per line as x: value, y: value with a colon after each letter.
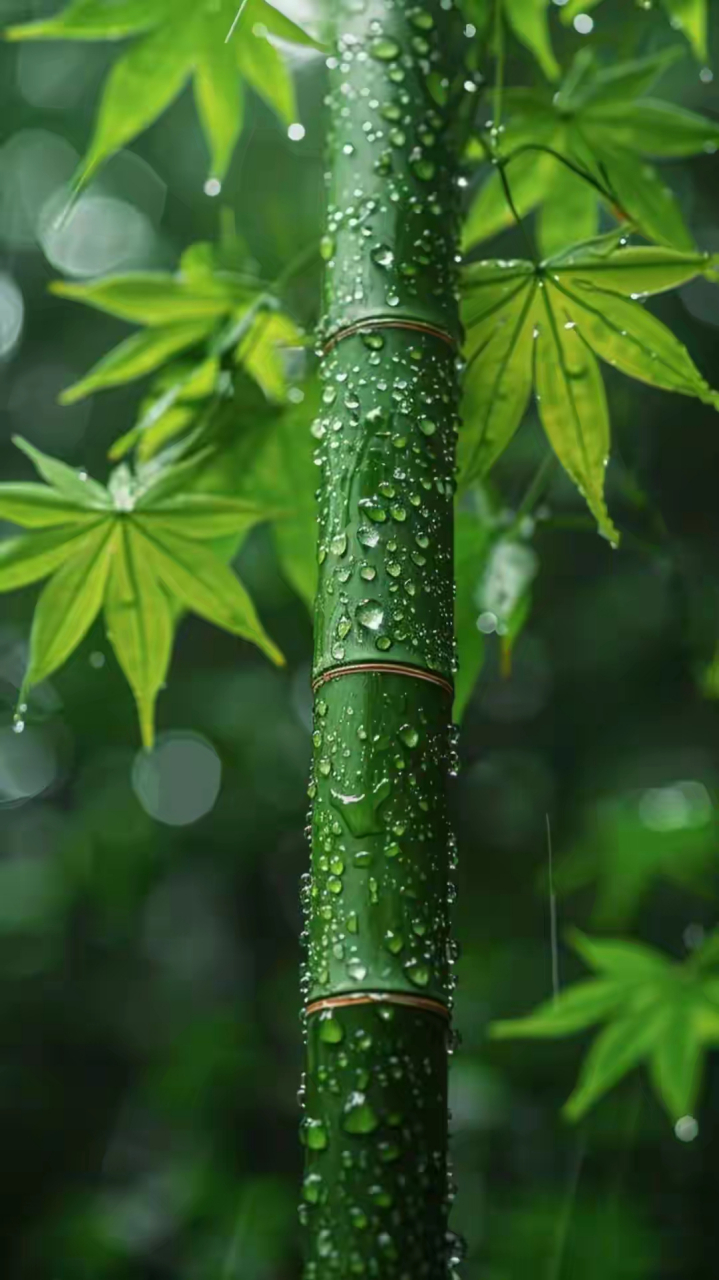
x: 655, y: 1011
x: 667, y: 834
x: 688, y: 16
x: 547, y: 323
x: 218, y: 320
x: 139, y: 548
x: 603, y: 125
x: 173, y: 43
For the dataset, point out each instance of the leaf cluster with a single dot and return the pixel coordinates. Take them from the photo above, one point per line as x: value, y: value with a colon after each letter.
x: 655, y: 1011
x: 173, y: 43
x: 139, y: 550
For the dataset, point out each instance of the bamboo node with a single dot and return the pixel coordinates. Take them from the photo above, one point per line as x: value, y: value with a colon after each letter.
x: 384, y: 668
x: 389, y: 322
x: 404, y: 998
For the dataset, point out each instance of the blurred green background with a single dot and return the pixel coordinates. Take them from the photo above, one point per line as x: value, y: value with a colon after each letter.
x: 149, y: 913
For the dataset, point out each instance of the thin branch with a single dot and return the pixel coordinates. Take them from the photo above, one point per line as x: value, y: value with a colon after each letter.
x: 499, y: 68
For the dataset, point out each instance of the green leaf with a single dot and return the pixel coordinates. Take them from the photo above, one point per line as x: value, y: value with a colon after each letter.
x: 635, y: 272
x: 202, y: 516
x: 529, y: 178
x: 156, y: 298
x: 34, y: 506
x: 587, y: 302
x: 528, y: 19
x: 625, y: 858
x: 676, y: 1062
x: 498, y: 383
x: 173, y: 44
x: 569, y: 213
x: 707, y: 955
x: 471, y: 540
x: 69, y: 604
x: 93, y: 20
x: 204, y: 584
x: 616, y: 1050
x: 140, y: 622
x: 142, y: 84
x: 579, y: 1006
x: 137, y: 356
x: 660, y: 129
x: 596, y: 121
x: 77, y: 486
x: 33, y: 556
x: 283, y: 474
x: 608, y: 89
x: 692, y: 18
x: 218, y: 94
x: 572, y: 405
x: 278, y: 24
x: 645, y: 199
x: 260, y: 351
x: 266, y: 72
x: 633, y: 340
x: 620, y: 959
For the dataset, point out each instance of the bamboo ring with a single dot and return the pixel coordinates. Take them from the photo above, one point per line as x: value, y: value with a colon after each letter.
x: 387, y: 322
x: 384, y: 668
x: 406, y: 999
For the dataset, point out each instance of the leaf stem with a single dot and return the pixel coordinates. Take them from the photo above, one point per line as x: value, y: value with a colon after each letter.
x: 605, y: 192
x: 499, y: 64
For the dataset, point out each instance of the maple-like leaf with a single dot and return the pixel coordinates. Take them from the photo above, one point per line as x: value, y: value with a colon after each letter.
x: 545, y: 324
x: 140, y: 550
x: 173, y: 43
x: 603, y: 125
x: 655, y: 1011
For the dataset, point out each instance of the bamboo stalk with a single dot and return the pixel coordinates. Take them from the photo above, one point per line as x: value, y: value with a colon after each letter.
x: 378, y: 976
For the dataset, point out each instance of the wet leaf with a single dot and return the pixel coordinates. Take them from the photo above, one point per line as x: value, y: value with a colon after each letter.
x: 69, y: 604
x: 547, y: 323
x: 601, y: 125
x: 471, y: 540
x: 688, y: 16
x: 140, y: 622
x: 204, y: 584
x: 139, y: 549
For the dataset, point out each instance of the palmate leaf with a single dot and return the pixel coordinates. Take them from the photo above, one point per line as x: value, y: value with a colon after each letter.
x: 600, y: 122
x: 173, y: 42
x: 655, y: 1011
x: 546, y: 324
x: 139, y: 550
x: 688, y: 16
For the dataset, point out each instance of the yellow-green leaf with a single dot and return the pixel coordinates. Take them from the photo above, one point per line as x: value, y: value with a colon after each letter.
x: 69, y: 604
x: 35, y: 506
x: 36, y: 555
x: 137, y: 356
x: 140, y: 624
x: 617, y: 1049
x: 573, y: 405
x: 205, y: 585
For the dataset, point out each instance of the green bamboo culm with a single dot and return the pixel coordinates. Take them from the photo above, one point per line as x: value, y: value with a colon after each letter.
x: 378, y: 979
